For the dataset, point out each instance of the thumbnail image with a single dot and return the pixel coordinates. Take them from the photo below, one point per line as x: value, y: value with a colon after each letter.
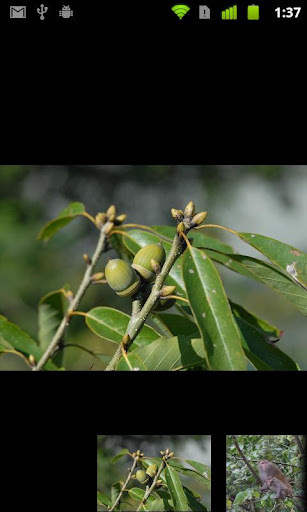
x: 265, y: 473
x: 157, y: 472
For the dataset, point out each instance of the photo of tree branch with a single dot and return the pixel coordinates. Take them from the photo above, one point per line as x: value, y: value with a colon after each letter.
x: 102, y: 270
x: 152, y: 478
x: 265, y: 473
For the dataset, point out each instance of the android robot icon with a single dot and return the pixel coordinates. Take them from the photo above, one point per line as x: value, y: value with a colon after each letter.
x: 66, y: 12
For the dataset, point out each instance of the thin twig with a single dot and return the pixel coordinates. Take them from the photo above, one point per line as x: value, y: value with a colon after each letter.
x: 86, y: 281
x: 137, y: 320
x: 153, y: 485
x: 246, y: 461
x: 124, y: 485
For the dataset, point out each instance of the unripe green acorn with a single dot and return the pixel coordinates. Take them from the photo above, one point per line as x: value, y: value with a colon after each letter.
x: 164, y: 304
x: 152, y: 470
x: 142, y: 260
x: 121, y: 277
x: 141, y: 476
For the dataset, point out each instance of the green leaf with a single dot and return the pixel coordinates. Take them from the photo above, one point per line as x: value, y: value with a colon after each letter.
x: 191, y: 473
x: 102, y: 499
x: 202, y: 469
x: 111, y: 324
x: 156, y: 505
x: 280, y: 283
x: 268, y: 356
x: 168, y: 354
x: 212, y: 312
x: 193, y: 503
x: 137, y: 239
x: 138, y: 494
x: 262, y: 325
x: 66, y: 216
x: 51, y: 309
x: 175, y: 488
x: 288, y: 258
x: 119, y: 455
x: 21, y: 341
x: 177, y: 324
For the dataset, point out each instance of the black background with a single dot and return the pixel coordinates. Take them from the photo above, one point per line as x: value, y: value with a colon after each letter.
x: 137, y: 85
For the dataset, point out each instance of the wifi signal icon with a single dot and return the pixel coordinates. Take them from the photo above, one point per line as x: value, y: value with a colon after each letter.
x: 180, y: 10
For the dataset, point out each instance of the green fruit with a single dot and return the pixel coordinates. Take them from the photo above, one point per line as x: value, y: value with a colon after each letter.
x: 142, y: 261
x: 141, y: 476
x: 121, y: 277
x: 162, y: 305
x: 152, y: 470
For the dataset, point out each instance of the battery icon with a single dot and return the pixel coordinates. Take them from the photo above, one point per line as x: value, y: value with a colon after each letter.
x: 253, y: 12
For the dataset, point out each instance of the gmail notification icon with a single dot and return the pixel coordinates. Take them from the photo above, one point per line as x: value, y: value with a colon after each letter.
x: 18, y: 11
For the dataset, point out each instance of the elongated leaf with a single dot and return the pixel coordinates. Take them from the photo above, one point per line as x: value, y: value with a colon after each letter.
x: 22, y: 342
x: 276, y: 280
x: 202, y: 469
x: 169, y: 354
x: 288, y: 258
x: 175, y: 488
x: 51, y: 310
x: 102, y: 499
x: 263, y: 326
x: 256, y: 344
x: 212, y: 312
x: 138, y: 494
x: 131, y: 363
x: 111, y: 324
x: 66, y: 216
x: 119, y: 455
x: 156, y: 505
x: 193, y: 503
x: 177, y: 324
x: 191, y: 473
x: 137, y: 239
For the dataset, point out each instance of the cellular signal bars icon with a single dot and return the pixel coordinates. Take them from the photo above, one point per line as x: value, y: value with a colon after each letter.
x: 230, y: 13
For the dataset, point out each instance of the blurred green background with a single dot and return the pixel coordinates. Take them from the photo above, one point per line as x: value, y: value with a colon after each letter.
x: 270, y: 200
x: 191, y: 447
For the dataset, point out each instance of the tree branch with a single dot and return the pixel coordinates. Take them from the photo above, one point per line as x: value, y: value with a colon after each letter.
x: 299, y: 444
x: 153, y: 485
x: 137, y: 320
x: 125, y: 485
x: 86, y: 281
x: 246, y: 461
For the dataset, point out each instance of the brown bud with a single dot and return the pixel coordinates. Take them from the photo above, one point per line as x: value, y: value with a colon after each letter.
x: 125, y: 342
x: 180, y: 228
x: 167, y: 290
x: 177, y: 214
x: 120, y: 219
x: 97, y: 276
x: 111, y: 211
x: 199, y: 218
x: 87, y: 259
x: 100, y: 219
x: 32, y: 360
x: 189, y: 210
x: 167, y: 449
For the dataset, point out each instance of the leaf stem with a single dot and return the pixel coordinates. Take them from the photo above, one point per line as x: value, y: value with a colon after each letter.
x: 138, y: 318
x: 153, y: 485
x: 86, y: 281
x: 216, y: 226
x: 124, y: 485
